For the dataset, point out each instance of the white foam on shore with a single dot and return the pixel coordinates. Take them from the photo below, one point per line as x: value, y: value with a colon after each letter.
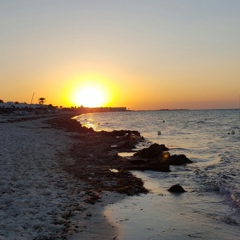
x: 35, y: 191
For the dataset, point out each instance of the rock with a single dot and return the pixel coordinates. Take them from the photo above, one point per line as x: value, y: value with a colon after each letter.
x: 152, y: 166
x: 126, y: 144
x: 92, y: 197
x: 178, y: 160
x: 154, y: 151
x: 138, y: 161
x: 176, y: 188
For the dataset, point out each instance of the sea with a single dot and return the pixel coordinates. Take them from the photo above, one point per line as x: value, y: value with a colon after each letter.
x: 210, y: 138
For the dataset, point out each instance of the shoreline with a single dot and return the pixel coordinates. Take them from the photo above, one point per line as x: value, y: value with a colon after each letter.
x: 58, y: 185
x: 163, y: 215
x: 41, y: 179
x: 96, y: 157
x: 130, y: 222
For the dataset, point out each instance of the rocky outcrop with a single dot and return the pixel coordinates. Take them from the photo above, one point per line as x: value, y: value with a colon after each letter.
x: 96, y: 153
x: 176, y: 189
x: 155, y: 158
x: 179, y: 160
x: 154, y: 151
x: 152, y: 166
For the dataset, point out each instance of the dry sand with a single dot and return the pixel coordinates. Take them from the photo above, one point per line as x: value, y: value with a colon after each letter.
x: 39, y: 198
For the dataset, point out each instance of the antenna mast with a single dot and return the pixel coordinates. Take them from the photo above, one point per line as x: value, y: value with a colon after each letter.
x: 32, y: 98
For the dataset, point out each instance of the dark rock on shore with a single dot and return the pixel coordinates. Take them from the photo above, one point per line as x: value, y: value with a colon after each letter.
x: 155, y: 158
x: 152, y: 166
x: 95, y: 153
x: 121, y: 133
x: 154, y: 151
x: 179, y: 160
x: 126, y: 139
x: 138, y: 161
x: 70, y: 125
x: 176, y: 189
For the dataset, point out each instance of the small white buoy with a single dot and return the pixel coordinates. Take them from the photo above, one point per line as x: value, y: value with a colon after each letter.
x: 159, y: 132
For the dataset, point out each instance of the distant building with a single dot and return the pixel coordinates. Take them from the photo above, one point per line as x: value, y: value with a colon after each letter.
x: 20, y: 105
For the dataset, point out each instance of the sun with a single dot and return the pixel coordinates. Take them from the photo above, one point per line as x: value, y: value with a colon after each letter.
x: 90, y: 91
x: 90, y: 97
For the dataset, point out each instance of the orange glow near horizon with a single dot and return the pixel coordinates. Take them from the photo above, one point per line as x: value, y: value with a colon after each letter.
x: 90, y: 93
x: 93, y: 55
x: 89, y: 97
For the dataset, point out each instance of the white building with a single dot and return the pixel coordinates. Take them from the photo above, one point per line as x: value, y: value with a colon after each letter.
x: 20, y: 105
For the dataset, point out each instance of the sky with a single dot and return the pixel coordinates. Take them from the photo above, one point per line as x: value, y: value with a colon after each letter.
x: 139, y: 54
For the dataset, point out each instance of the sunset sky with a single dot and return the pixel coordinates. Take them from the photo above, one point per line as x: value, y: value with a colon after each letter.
x: 149, y: 54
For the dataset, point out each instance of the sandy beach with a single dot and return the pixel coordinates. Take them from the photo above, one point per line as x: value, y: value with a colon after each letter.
x: 59, y: 181
x: 43, y: 196
x: 38, y: 197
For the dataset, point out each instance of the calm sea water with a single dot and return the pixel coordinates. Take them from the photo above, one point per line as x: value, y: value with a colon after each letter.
x: 210, y: 138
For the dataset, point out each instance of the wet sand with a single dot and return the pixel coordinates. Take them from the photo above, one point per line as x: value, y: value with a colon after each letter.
x: 164, y: 215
